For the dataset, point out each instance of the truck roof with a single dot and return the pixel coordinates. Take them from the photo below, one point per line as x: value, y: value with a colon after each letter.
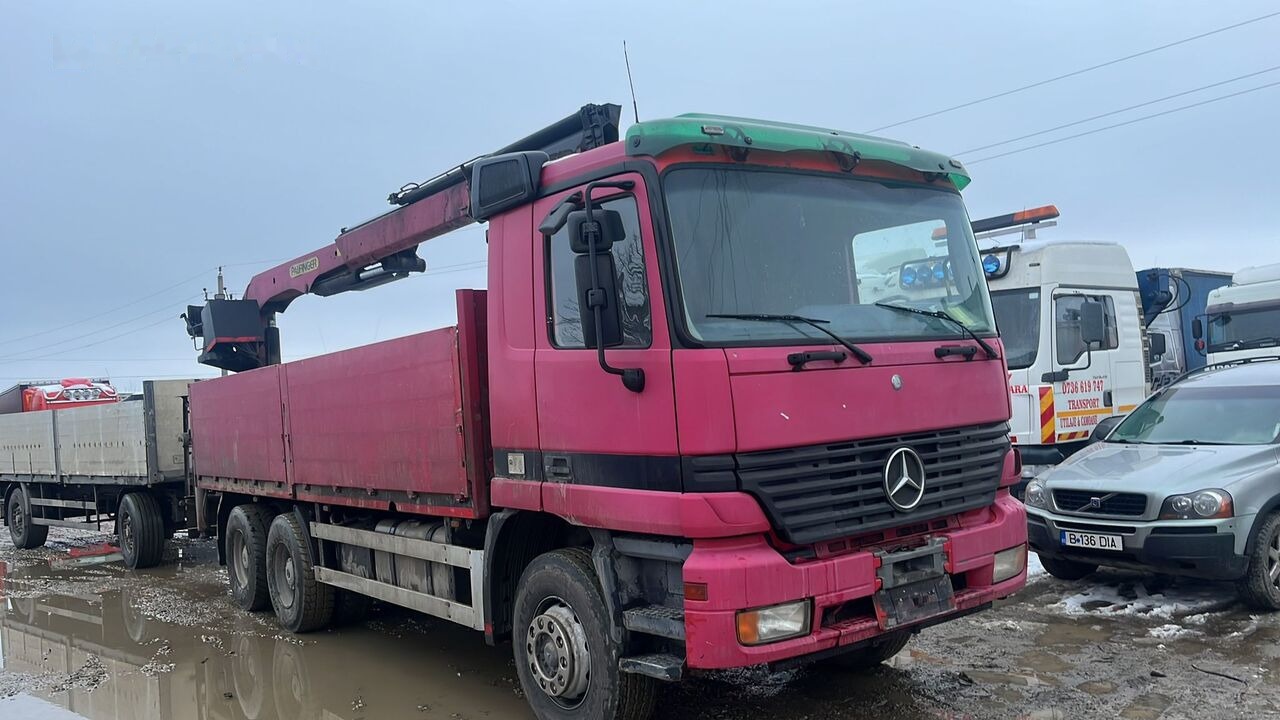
x: 1080, y: 263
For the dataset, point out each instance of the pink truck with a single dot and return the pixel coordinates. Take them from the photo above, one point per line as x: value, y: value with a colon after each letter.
x: 734, y: 395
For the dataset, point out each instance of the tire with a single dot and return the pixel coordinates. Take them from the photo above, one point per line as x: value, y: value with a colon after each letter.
x: 1260, y: 586
x: 559, y: 604
x: 17, y: 515
x: 1067, y: 569
x: 872, y: 655
x: 141, y: 530
x: 301, y: 602
x: 246, y: 544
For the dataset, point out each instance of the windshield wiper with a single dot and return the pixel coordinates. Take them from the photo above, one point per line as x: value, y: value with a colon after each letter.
x: 816, y: 323
x: 944, y: 315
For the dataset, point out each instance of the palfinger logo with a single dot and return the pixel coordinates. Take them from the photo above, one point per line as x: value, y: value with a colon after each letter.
x: 904, y: 479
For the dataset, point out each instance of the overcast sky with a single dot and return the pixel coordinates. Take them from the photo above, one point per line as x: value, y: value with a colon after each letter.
x: 144, y: 144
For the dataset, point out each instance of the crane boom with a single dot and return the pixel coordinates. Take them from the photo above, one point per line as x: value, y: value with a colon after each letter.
x: 241, y: 335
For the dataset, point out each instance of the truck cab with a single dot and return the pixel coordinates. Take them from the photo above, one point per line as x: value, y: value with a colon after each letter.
x: 1172, y: 299
x: 1068, y: 315
x: 1242, y: 320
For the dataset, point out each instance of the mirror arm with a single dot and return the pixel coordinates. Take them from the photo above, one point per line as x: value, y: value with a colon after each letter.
x: 632, y: 378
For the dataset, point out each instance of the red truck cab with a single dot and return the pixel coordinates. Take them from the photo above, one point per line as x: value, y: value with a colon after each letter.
x: 57, y: 395
x: 734, y: 395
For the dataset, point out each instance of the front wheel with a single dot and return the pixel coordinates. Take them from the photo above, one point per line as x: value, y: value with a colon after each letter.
x: 1067, y: 569
x: 25, y: 534
x: 141, y: 530
x: 1260, y: 586
x: 566, y: 661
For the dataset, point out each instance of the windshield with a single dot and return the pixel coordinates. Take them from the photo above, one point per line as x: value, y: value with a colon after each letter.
x: 1018, y: 320
x: 1205, y: 415
x: 821, y: 246
x: 1240, y: 329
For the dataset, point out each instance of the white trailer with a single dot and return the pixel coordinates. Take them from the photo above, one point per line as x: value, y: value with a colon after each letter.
x: 126, y: 462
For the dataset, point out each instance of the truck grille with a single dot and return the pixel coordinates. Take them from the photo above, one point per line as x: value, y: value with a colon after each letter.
x: 823, y: 492
x: 1081, y: 501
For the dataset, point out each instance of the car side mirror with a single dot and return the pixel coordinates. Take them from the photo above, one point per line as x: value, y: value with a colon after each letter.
x: 1093, y: 323
x: 1104, y: 428
x: 1158, y: 346
x: 596, y: 274
x: 1197, y: 328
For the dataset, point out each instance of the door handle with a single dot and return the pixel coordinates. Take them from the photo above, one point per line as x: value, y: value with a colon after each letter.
x: 557, y: 468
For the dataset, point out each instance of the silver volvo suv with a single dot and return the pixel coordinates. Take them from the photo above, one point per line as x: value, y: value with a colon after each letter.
x: 1187, y: 484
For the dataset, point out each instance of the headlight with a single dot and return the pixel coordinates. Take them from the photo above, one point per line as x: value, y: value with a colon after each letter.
x: 1036, y: 495
x: 1202, y: 505
x: 1009, y: 563
x: 773, y: 623
x: 77, y: 394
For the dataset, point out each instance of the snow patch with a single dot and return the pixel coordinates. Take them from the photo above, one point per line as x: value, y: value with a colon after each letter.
x: 1132, y: 598
x: 1167, y: 632
x: 1034, y: 568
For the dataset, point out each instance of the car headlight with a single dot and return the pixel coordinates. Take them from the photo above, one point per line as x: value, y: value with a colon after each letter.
x: 1036, y: 495
x: 1009, y: 563
x: 1201, y: 505
x: 773, y: 623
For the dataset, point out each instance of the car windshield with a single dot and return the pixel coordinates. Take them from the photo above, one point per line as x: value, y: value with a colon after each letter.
x: 1018, y: 320
x: 1206, y: 416
x: 1240, y: 329
x: 821, y: 246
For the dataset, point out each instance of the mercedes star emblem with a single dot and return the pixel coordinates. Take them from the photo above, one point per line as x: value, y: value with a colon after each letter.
x: 904, y: 479
x: 896, y: 381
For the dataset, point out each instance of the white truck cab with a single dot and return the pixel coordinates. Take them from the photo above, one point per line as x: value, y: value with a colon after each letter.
x: 1069, y: 316
x: 1242, y: 320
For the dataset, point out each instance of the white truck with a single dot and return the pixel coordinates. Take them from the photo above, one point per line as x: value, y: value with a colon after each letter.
x: 1069, y: 316
x: 1242, y: 320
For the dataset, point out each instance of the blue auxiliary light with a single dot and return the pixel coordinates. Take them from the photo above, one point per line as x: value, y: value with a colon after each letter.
x: 908, y: 276
x: 991, y: 264
x: 939, y: 272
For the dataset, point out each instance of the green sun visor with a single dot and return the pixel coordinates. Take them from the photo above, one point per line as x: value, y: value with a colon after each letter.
x: 657, y: 136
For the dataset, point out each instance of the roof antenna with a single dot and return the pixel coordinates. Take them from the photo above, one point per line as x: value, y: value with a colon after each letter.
x: 634, y: 106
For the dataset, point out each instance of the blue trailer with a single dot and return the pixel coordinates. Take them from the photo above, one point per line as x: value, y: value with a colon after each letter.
x: 1171, y: 298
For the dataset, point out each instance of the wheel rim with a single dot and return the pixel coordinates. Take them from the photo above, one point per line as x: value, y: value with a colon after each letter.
x: 240, y: 559
x: 557, y: 654
x: 285, y: 574
x: 17, y: 517
x: 127, y: 541
x: 1273, y: 561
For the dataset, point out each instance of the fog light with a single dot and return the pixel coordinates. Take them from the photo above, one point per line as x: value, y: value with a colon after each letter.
x: 773, y: 623
x: 1009, y: 563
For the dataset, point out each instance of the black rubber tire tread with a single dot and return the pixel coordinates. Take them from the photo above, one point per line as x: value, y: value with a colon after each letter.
x: 255, y: 519
x: 349, y: 608
x: 872, y: 655
x: 635, y: 694
x: 1067, y: 569
x: 315, y: 598
x: 148, y: 533
x: 1255, y: 588
x: 34, y: 536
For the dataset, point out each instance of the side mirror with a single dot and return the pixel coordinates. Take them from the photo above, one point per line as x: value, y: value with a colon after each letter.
x: 1104, y: 428
x: 604, y: 228
x: 1093, y: 323
x: 592, y: 233
x: 1159, y: 344
x: 1197, y: 328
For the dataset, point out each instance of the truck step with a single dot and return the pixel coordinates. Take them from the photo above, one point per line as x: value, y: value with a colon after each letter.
x: 656, y: 665
x: 655, y: 620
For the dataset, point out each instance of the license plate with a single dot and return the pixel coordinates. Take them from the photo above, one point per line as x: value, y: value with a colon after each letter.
x: 907, y: 604
x: 1092, y: 541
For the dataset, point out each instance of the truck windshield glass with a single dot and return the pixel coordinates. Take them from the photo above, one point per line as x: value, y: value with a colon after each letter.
x: 1205, y: 416
x: 1241, y: 329
x: 755, y: 241
x: 1018, y: 320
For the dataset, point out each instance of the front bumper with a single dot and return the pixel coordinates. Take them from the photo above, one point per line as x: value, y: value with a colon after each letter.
x: 1209, y: 549
x: 746, y: 572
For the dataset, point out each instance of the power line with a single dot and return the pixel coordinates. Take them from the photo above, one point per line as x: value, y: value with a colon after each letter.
x: 167, y: 309
x: 1121, y: 110
x: 10, y: 360
x: 1074, y: 73
x: 1122, y: 124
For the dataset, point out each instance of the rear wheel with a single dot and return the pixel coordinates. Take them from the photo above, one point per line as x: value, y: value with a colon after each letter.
x: 566, y: 661
x: 141, y: 530
x: 872, y: 655
x: 301, y: 602
x: 1260, y: 586
x: 1067, y: 569
x: 17, y: 515
x: 247, y: 556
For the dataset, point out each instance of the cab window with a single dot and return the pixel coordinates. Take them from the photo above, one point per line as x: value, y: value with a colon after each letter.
x: 1067, y: 329
x: 632, y: 283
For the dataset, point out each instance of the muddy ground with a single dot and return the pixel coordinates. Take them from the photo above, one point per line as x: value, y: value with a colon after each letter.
x: 82, y: 638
